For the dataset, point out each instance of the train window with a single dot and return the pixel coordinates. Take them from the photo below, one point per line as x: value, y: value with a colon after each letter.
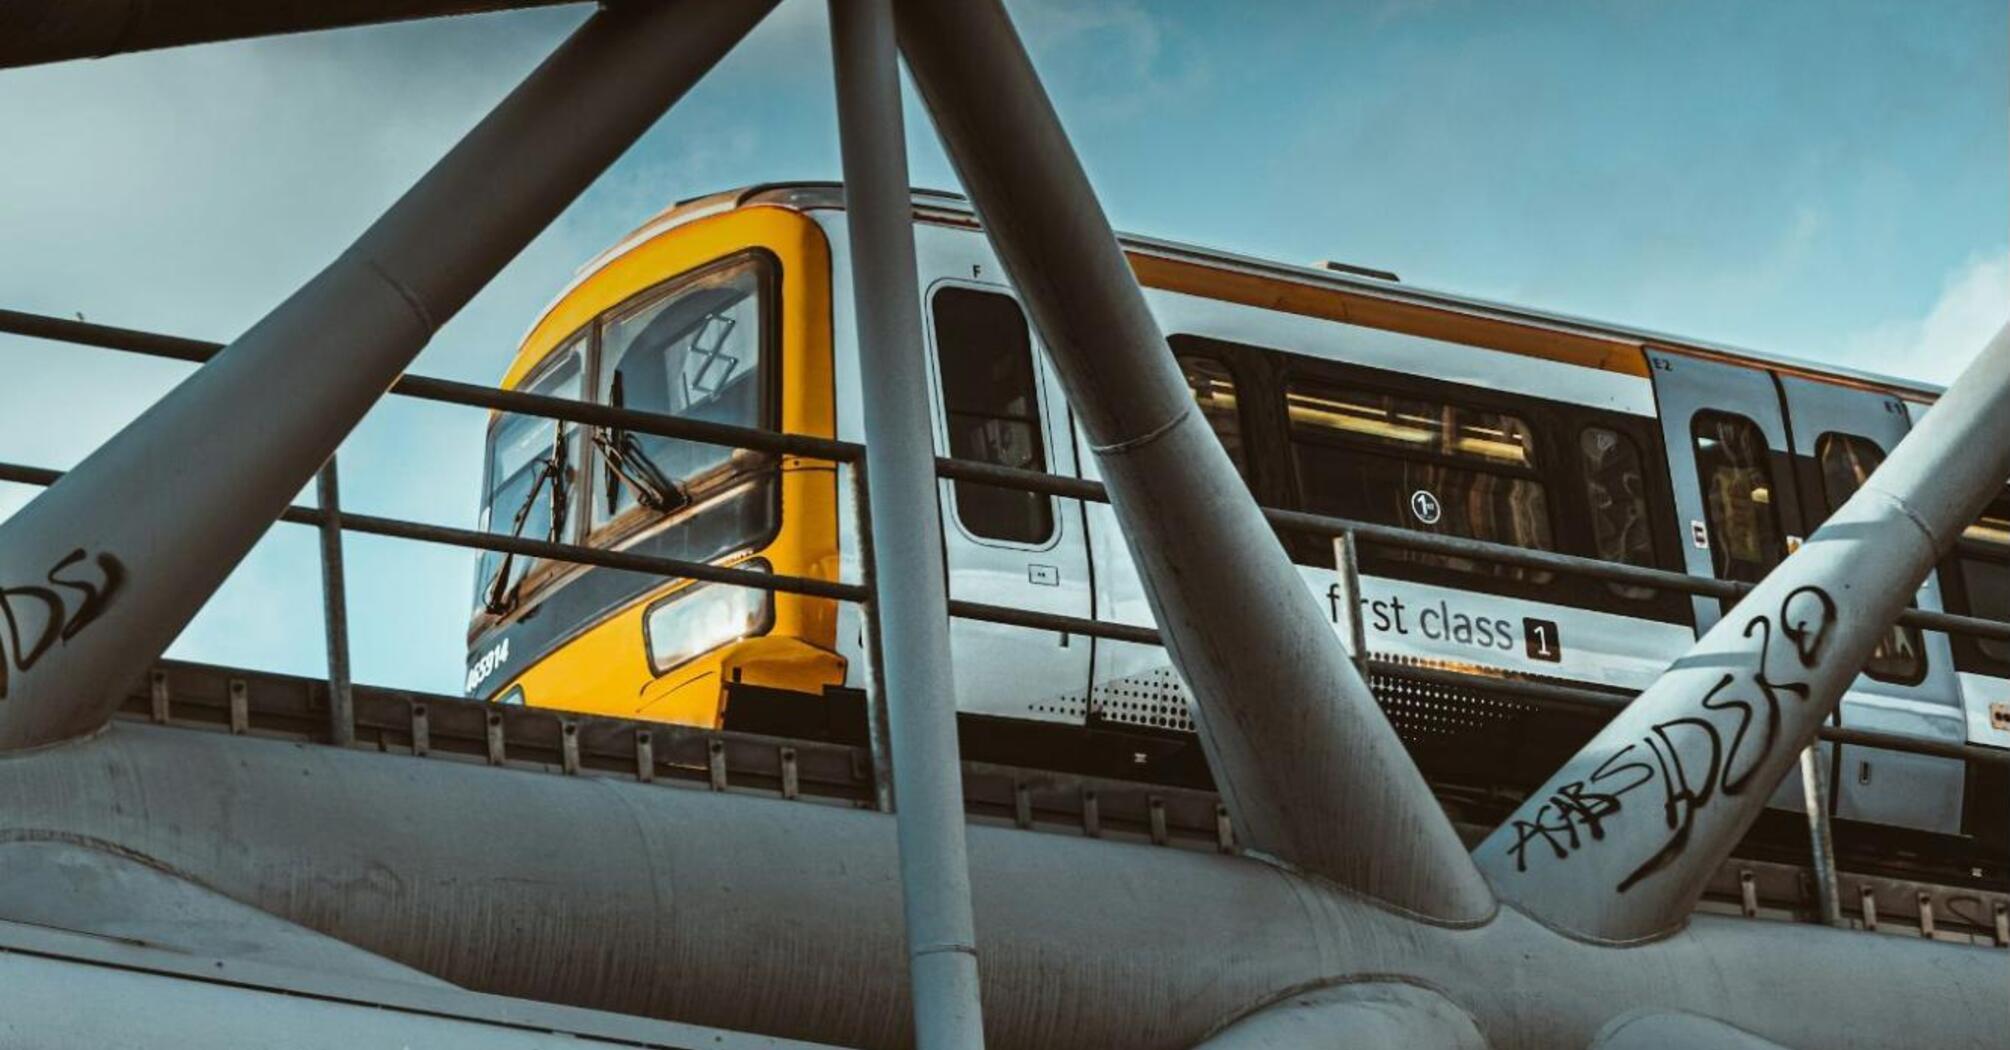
x: 692, y: 349
x: 992, y: 402
x: 1846, y: 461
x: 1214, y: 391
x: 1732, y: 464
x: 532, y: 467
x: 1425, y: 465
x: 1615, y: 486
x: 1985, y: 571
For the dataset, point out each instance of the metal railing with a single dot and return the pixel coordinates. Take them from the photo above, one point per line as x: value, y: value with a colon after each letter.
x: 333, y: 520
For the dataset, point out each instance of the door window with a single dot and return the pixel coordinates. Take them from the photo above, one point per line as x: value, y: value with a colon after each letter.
x: 1615, y: 487
x: 991, y: 401
x: 1846, y: 461
x: 691, y: 349
x: 533, y: 464
x: 1738, y: 496
x: 1433, y: 466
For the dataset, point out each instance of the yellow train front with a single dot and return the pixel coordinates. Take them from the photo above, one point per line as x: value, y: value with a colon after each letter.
x: 1335, y: 391
x: 722, y: 317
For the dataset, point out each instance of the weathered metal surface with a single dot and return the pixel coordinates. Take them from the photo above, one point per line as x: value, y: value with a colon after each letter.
x: 1308, y: 765
x: 672, y: 903
x: 910, y: 603
x: 1619, y: 843
x: 1363, y: 1015
x: 70, y: 990
x: 36, y: 31
x: 100, y: 591
x: 1675, y: 1031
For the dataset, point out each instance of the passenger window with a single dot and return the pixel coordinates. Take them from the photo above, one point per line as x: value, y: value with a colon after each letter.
x: 1846, y: 461
x: 992, y: 402
x: 1737, y: 480
x: 1985, y: 571
x: 1214, y: 391
x: 1418, y: 464
x: 1615, y: 487
x: 692, y: 349
x: 532, y: 469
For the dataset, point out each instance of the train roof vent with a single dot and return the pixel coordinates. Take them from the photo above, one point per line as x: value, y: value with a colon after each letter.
x: 1359, y: 271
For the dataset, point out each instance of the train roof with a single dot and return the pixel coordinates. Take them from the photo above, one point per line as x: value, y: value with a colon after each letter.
x: 942, y: 207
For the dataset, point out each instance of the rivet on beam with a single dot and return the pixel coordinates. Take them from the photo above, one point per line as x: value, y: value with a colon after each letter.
x: 495, y: 734
x: 715, y: 759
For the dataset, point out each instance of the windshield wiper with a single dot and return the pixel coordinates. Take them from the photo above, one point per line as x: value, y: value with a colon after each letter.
x: 552, y: 469
x: 626, y: 460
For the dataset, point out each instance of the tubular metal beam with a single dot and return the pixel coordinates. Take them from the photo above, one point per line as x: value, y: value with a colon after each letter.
x: 911, y: 599
x: 1618, y: 845
x: 37, y: 31
x: 755, y: 913
x: 1308, y: 765
x: 105, y: 568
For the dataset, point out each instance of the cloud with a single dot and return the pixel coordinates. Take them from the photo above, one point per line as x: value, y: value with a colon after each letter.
x: 1974, y: 302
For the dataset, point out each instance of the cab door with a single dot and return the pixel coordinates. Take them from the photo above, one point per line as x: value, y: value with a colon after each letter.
x: 997, y: 402
x: 1840, y: 434
x: 1732, y: 473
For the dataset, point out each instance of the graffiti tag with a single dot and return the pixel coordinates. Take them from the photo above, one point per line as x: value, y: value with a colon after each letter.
x: 1695, y: 758
x: 38, y: 617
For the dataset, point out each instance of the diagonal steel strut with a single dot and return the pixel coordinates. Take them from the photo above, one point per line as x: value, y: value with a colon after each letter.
x: 1306, y: 761
x: 1618, y: 844
x: 100, y: 572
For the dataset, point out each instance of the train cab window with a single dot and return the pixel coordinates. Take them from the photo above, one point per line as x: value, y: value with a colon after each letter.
x: 1733, y: 466
x: 533, y: 467
x: 992, y: 402
x: 1615, y: 487
x: 690, y: 349
x: 1213, y: 389
x: 1846, y: 461
x: 1428, y: 465
x: 1984, y: 559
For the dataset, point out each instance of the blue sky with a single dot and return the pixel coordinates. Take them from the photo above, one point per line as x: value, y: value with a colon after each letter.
x: 1825, y: 180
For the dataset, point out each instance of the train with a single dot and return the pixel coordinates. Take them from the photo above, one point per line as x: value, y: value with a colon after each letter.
x: 1335, y: 389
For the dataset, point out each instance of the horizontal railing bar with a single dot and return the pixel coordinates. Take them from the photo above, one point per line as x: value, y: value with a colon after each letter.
x: 589, y: 414
x: 1453, y: 546
x: 452, y: 392
x: 1543, y: 694
x: 674, y: 568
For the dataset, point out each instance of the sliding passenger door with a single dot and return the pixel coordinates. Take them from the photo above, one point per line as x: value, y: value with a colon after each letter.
x: 1840, y: 434
x: 996, y: 402
x: 1731, y: 469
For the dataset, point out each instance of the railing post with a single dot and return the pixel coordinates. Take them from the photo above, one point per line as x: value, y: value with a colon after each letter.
x: 869, y: 644
x: 1821, y: 837
x: 1347, y: 562
x: 910, y: 594
x: 335, y: 608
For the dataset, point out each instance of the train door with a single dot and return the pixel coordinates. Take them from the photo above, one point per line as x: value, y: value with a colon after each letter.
x: 998, y: 402
x: 1841, y: 434
x: 1731, y: 470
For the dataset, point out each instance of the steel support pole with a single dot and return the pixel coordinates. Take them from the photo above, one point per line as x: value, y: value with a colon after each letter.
x: 101, y: 571
x: 1621, y: 841
x: 1309, y: 767
x: 335, y: 608
x: 1821, y: 836
x: 36, y: 31
x: 911, y: 599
